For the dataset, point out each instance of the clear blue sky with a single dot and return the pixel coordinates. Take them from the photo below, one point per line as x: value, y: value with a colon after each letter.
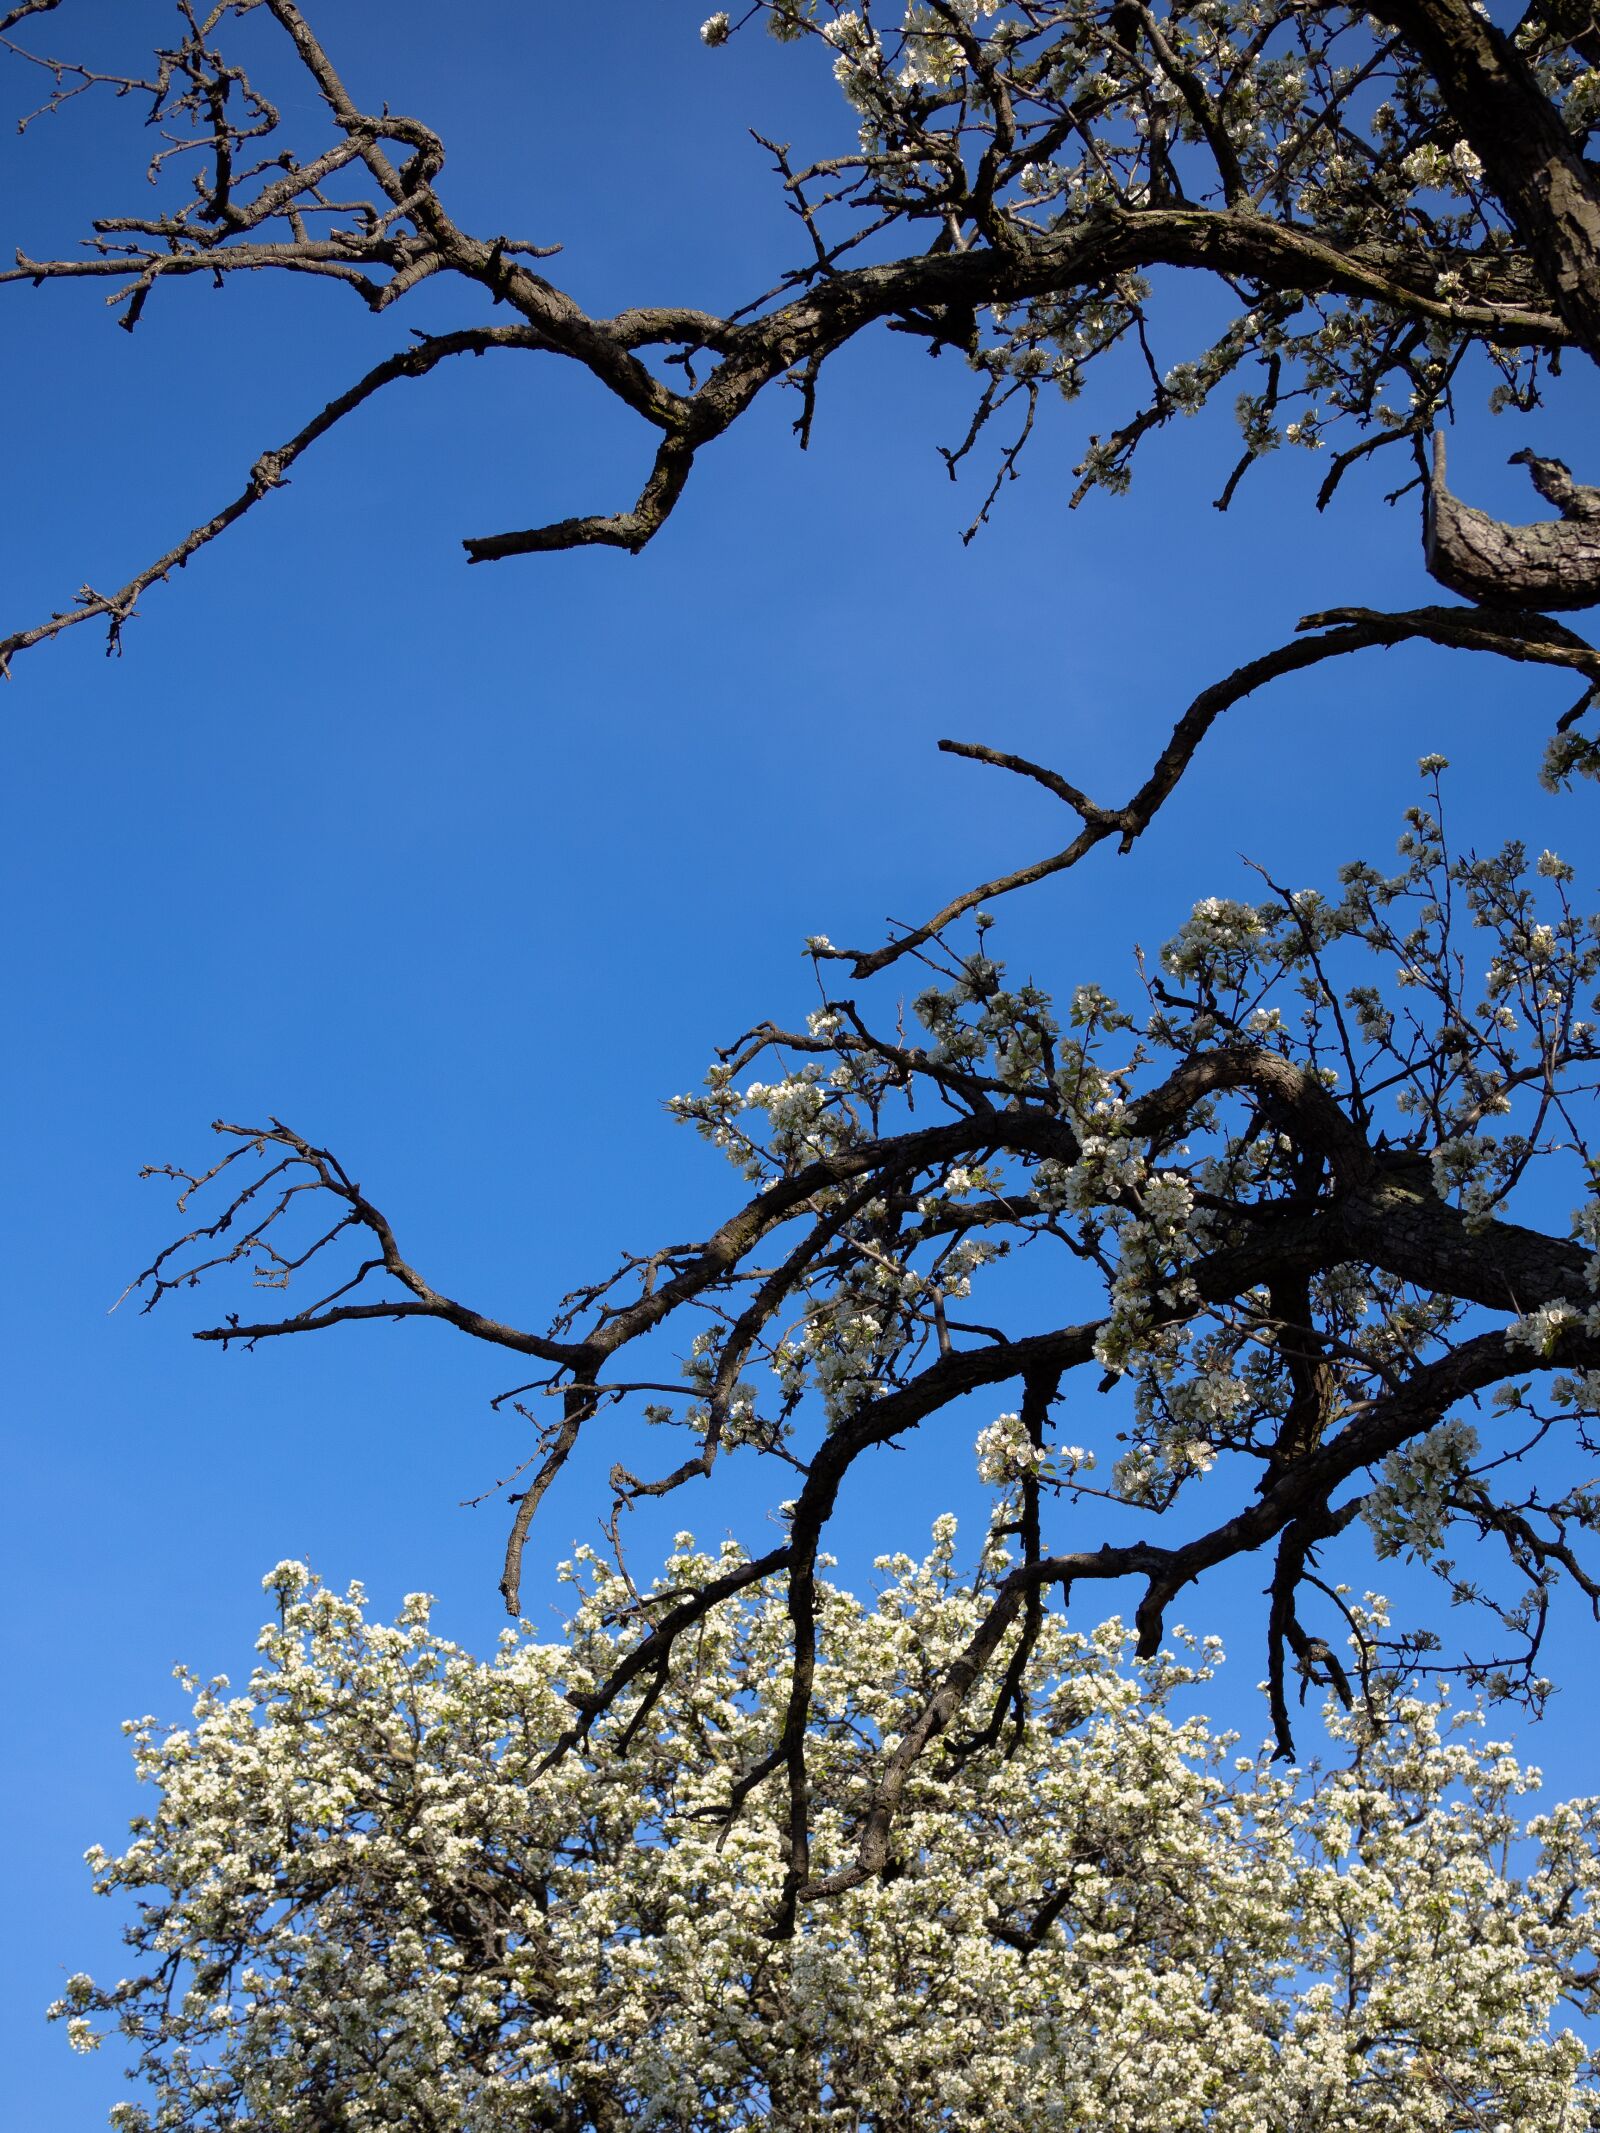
x: 462, y: 871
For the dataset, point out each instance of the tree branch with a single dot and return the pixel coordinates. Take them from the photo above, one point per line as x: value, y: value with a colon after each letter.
x: 1528, y: 638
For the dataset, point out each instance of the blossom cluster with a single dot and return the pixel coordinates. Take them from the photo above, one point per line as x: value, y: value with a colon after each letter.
x: 1411, y: 1505
x: 1007, y: 1454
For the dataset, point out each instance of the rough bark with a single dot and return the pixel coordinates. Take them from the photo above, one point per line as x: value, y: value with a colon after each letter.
x: 1554, y: 563
x: 1549, y: 191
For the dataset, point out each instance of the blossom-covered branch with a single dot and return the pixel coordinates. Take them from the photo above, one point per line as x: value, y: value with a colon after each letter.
x: 1030, y: 161
x: 1281, y: 1293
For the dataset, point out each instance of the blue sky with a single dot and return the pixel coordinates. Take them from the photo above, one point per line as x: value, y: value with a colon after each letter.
x: 463, y: 871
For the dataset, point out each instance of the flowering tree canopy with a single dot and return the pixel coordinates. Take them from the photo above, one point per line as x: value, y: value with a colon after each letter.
x: 1236, y: 1308
x: 1275, y: 1259
x: 373, y: 1891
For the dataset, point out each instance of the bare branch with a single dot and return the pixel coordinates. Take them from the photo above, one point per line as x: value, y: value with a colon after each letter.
x: 1512, y: 633
x: 117, y: 609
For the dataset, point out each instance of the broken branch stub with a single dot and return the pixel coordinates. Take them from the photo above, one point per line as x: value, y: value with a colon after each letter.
x: 1554, y: 563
